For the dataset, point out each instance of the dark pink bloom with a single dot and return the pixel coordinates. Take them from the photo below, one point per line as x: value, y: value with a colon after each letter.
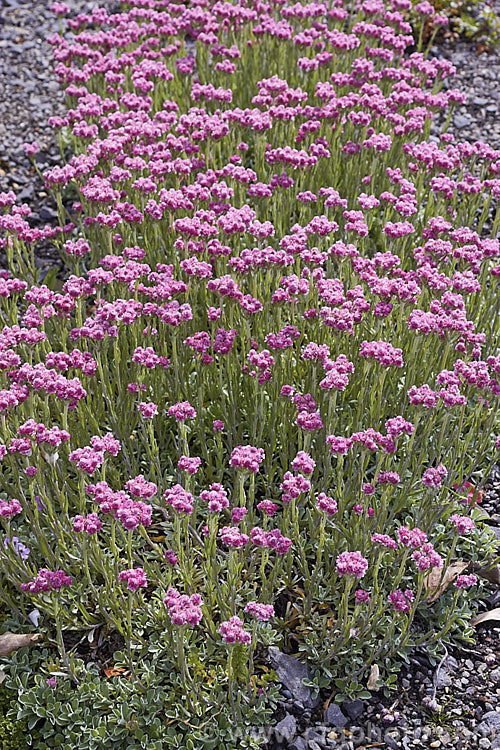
x: 232, y: 631
x: 351, y: 564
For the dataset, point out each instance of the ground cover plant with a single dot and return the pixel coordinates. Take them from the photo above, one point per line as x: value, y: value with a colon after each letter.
x: 257, y: 408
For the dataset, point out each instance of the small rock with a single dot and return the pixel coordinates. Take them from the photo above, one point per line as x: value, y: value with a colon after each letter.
x: 494, y: 675
x: 391, y: 742
x: 48, y: 214
x: 334, y: 716
x: 287, y: 728
x: 442, y: 676
x: 461, y: 121
x: 490, y: 723
x: 484, y: 743
x: 291, y: 672
x: 298, y: 744
x: 354, y: 708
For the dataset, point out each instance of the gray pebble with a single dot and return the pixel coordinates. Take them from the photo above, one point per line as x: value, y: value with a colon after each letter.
x: 334, y: 716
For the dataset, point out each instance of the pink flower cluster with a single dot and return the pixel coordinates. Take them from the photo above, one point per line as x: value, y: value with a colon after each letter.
x: 183, y: 609
x: 434, y: 477
x: 179, y: 499
x: 463, y: 524
x: 247, y: 458
x: 351, y: 564
x: 402, y: 600
x: 182, y: 411
x: 273, y: 539
x: 10, y: 508
x: 91, y: 524
x: 47, y: 580
x: 232, y: 631
x: 262, y: 612
x: 128, y: 512
x: 216, y: 498
x: 135, y: 578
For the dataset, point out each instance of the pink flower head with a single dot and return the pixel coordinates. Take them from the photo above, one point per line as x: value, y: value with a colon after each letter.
x: 60, y: 9
x: 273, y: 539
x: 384, y: 540
x: 309, y: 421
x: 90, y: 525
x: 107, y: 444
x: 247, y: 458
x: 262, y: 612
x: 218, y: 426
x: 182, y: 411
x: 232, y: 631
x: 47, y: 580
x: 326, y: 504
x: 351, y: 564
x: 170, y: 557
x: 238, y: 514
x: 189, y: 464
x: 388, y: 477
x: 140, y: 487
x: 134, y: 577
x: 434, y: 477
x: 361, y: 596
x: 30, y: 149
x: 397, y: 426
x: 383, y: 352
x: 9, y: 508
x: 268, y: 507
x: 232, y: 537
x: 183, y: 609
x: 413, y: 538
x: 294, y: 486
x: 401, y: 600
x: 147, y: 409
x: 339, y: 445
x: 465, y: 581
x: 303, y: 463
x: 426, y: 557
x: 179, y: 499
x: 216, y: 497
x: 463, y: 524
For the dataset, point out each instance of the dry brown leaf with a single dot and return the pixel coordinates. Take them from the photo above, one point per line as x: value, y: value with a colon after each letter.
x: 374, y: 675
x: 114, y: 671
x: 493, y: 614
x: 437, y: 580
x: 9, y: 642
x: 491, y: 574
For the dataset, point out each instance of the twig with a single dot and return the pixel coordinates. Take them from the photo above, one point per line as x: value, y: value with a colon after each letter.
x: 436, y: 674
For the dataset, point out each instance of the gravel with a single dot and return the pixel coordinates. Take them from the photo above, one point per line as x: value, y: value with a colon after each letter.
x: 455, y: 705
x: 29, y: 95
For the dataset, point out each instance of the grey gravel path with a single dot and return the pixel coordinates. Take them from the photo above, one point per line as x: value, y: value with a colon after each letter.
x: 478, y: 76
x: 29, y: 92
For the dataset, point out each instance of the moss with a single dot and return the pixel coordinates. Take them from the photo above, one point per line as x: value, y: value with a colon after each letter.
x: 13, y: 732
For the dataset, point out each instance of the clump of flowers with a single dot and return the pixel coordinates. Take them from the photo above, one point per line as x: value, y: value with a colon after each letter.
x: 298, y: 284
